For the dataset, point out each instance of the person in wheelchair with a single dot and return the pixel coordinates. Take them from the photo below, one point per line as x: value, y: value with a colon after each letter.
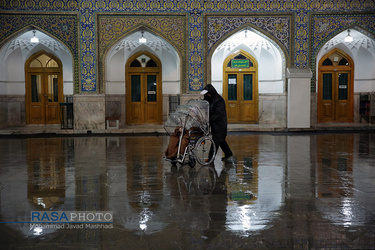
x: 218, y: 120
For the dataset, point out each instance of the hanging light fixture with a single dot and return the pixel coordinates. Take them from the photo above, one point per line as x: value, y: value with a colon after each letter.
x: 34, y: 39
x: 142, y: 39
x: 348, y: 38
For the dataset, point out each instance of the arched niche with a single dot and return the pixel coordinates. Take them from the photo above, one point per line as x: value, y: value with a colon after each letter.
x: 270, y: 57
x: 15, y: 53
x: 361, y: 50
x: 119, y: 54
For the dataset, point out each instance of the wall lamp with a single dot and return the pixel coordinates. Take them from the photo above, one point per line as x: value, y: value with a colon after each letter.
x: 142, y: 39
x: 34, y: 39
x: 348, y: 38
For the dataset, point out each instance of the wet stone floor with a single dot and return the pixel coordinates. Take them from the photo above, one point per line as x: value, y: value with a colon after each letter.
x: 280, y: 191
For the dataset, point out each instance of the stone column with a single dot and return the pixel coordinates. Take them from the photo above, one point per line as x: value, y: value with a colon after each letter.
x: 299, y: 81
x: 89, y: 112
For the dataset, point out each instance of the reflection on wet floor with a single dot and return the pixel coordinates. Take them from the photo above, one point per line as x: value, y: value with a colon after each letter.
x: 279, y: 191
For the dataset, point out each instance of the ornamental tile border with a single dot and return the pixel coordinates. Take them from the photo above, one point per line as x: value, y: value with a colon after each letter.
x: 187, y: 5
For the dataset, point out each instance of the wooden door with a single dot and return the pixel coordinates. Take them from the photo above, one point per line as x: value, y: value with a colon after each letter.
x: 240, y: 97
x: 143, y: 103
x: 240, y: 88
x: 44, y: 89
x: 335, y: 89
x: 335, y: 99
x: 144, y: 91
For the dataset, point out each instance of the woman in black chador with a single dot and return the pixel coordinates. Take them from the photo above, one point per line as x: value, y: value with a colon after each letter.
x: 218, y: 119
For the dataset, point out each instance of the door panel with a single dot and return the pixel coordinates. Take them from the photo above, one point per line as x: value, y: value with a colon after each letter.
x: 151, y: 113
x: 247, y: 87
x: 136, y: 106
x: 36, y: 115
x: 151, y: 110
x: 144, y: 105
x: 327, y: 101
x: 36, y: 88
x: 136, y: 113
x: 52, y: 99
x: 343, y: 102
x: 247, y: 113
x: 241, y: 102
x: 136, y: 88
x: 232, y: 112
x: 342, y: 111
x: 151, y: 88
x: 335, y: 103
x: 232, y: 100
x: 327, y: 111
x: 248, y: 105
x: 52, y: 115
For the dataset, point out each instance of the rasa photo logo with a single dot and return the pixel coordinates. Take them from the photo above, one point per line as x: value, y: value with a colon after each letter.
x: 72, y: 219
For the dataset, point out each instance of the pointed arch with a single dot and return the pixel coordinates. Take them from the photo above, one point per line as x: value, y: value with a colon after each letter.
x: 146, y: 53
x: 245, y: 54
x: 336, y: 52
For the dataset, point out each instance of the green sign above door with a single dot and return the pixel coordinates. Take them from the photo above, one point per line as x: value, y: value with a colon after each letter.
x: 240, y: 63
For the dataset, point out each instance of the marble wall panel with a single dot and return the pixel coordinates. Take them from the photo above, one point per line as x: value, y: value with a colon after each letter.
x: 165, y: 107
x: 3, y: 118
x: 14, y: 114
x: 89, y: 112
x: 314, y: 109
x: 272, y: 109
x: 115, y: 106
x: 12, y: 111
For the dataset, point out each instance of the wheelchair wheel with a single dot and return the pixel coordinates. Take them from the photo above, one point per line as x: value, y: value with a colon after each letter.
x: 202, y: 150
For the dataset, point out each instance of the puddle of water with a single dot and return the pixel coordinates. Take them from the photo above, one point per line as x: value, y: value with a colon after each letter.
x: 280, y: 190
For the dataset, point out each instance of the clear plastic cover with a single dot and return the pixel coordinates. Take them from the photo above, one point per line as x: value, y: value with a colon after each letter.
x: 193, y: 114
x: 203, y: 107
